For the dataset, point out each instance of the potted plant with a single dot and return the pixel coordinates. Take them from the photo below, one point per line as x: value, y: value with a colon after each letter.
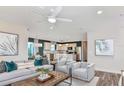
x: 43, y: 72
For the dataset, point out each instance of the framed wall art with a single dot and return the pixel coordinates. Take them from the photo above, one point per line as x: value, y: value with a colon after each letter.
x: 8, y: 44
x: 104, y: 47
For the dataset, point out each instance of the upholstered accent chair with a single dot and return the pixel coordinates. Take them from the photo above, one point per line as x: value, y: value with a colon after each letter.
x: 82, y: 70
x: 64, y: 65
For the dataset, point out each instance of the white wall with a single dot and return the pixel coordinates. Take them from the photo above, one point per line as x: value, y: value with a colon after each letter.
x: 107, y: 63
x: 23, y: 39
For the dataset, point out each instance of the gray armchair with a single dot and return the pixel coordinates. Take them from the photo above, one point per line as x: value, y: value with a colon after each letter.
x: 63, y: 66
x: 83, y: 71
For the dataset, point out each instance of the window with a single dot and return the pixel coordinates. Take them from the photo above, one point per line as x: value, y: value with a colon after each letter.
x: 31, y: 50
x: 52, y: 48
x: 34, y: 46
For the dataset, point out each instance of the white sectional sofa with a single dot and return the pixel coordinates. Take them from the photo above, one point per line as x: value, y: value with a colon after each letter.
x: 8, y: 78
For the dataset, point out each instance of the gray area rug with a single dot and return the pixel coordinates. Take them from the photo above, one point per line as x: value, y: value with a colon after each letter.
x: 76, y: 82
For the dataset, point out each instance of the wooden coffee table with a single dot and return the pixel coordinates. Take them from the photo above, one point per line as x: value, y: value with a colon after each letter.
x: 58, y: 77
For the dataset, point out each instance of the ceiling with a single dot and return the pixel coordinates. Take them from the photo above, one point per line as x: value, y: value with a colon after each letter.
x: 84, y: 19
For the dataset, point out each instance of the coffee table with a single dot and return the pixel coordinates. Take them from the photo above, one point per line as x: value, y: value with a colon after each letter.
x: 58, y: 77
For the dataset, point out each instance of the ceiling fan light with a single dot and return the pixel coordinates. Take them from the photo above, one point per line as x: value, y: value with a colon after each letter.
x: 52, y: 20
x: 99, y: 12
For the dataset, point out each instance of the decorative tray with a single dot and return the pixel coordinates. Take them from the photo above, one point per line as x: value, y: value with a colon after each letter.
x: 39, y: 79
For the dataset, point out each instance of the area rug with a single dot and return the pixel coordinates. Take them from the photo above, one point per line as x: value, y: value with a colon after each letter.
x: 76, y: 82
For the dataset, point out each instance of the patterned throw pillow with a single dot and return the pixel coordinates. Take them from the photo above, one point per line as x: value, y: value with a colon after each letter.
x: 45, y: 61
x: 2, y: 67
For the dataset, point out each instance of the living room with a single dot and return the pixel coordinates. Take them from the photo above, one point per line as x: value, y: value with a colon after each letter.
x: 83, y: 45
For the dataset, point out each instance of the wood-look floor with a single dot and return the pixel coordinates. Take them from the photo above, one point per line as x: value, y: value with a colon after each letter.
x: 107, y: 79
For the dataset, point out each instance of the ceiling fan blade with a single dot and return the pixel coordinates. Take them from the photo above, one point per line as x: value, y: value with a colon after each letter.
x: 64, y: 19
x: 38, y: 11
x: 39, y: 21
x: 56, y: 11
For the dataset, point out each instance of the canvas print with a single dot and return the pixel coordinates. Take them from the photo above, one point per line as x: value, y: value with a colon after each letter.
x: 8, y: 44
x: 104, y: 47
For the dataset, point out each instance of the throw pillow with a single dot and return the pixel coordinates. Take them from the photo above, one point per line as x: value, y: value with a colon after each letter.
x: 10, y: 66
x: 38, y: 62
x: 45, y: 61
x: 2, y: 67
x: 15, y: 67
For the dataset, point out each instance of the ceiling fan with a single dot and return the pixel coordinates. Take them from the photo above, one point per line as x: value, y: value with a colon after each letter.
x: 53, y: 18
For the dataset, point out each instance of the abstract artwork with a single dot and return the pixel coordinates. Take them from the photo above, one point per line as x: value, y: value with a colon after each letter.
x: 8, y: 44
x: 104, y: 47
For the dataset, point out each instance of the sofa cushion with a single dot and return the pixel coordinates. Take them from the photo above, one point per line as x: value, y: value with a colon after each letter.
x: 61, y: 63
x: 50, y: 67
x: 14, y: 74
x: 10, y: 66
x: 80, y: 72
x: 84, y: 64
x: 62, y: 68
x: 33, y: 69
x: 63, y: 59
x: 11, y: 81
x: 2, y: 67
x: 22, y: 65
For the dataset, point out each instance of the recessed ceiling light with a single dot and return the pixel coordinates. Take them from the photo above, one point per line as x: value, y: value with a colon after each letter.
x: 52, y: 10
x: 99, y: 12
x: 60, y: 45
x: 51, y: 27
x: 66, y: 44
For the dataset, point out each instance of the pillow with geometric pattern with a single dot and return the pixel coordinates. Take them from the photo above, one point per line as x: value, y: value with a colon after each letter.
x: 2, y: 67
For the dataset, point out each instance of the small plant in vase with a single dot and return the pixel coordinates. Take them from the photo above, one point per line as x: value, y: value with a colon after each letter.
x: 46, y: 71
x: 43, y: 72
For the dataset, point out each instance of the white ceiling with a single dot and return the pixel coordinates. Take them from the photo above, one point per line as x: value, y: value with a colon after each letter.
x: 84, y: 19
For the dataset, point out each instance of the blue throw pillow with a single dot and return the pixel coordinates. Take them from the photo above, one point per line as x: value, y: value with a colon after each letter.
x: 10, y: 66
x: 38, y: 62
x: 15, y: 67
